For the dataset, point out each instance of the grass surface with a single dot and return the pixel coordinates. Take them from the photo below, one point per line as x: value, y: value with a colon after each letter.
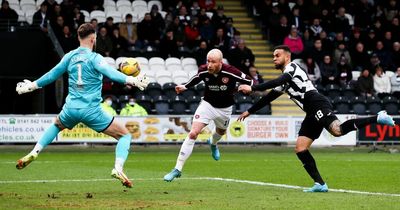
x: 84, y: 179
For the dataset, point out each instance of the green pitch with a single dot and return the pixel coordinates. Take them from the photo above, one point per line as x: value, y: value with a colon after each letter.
x: 79, y: 178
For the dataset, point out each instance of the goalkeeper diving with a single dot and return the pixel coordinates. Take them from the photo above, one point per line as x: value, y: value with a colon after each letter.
x: 85, y: 74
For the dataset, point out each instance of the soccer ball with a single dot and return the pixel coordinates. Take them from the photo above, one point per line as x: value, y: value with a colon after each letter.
x: 130, y: 67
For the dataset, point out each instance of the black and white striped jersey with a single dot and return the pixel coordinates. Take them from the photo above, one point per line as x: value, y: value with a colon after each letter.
x: 299, y: 84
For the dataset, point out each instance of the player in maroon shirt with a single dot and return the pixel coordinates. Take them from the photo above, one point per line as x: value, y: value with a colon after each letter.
x: 220, y: 82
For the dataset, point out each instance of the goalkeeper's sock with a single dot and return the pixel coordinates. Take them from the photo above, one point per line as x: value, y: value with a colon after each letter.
x: 184, y: 153
x: 215, y: 138
x: 310, y: 166
x: 49, y: 135
x: 122, y: 151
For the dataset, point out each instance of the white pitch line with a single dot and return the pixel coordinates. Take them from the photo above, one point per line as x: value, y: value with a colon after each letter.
x: 203, y: 178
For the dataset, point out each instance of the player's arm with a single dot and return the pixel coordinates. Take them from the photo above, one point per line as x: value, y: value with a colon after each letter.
x: 284, y: 78
x: 267, y: 99
x: 58, y: 70
x: 101, y: 65
x: 196, y: 79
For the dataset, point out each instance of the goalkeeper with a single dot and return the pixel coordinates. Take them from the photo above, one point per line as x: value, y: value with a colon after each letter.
x: 85, y: 73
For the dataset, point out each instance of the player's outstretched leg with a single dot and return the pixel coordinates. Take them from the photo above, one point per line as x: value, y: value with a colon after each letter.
x: 214, y: 150
x: 385, y: 119
x: 175, y: 173
x: 46, y: 139
x: 121, y: 154
x: 317, y: 188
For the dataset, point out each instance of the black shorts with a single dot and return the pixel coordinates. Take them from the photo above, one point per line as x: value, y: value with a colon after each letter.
x: 319, y: 117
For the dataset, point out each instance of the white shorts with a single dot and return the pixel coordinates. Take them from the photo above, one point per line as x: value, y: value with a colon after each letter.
x: 206, y: 113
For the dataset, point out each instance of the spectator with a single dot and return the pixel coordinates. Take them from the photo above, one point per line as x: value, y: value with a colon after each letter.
x: 329, y: 72
x: 341, y: 23
x: 359, y: 57
x: 241, y: 57
x: 103, y: 43
x: 294, y: 42
x: 133, y: 109
x: 370, y: 41
x: 128, y: 30
x: 362, y: 15
x: 107, y: 106
x: 109, y: 25
x: 95, y: 24
x: 207, y: 4
x: 381, y: 83
x: 78, y: 18
x: 279, y: 33
x: 365, y: 84
x: 312, y: 69
x: 195, y: 9
x: 341, y: 51
x: 157, y: 19
x: 317, y: 51
x: 296, y: 20
x: 307, y: 41
x: 387, y: 41
x: 327, y: 43
x: 383, y: 55
x: 316, y: 28
x: 207, y: 30
x: 326, y: 20
x: 230, y: 30
x: 148, y: 34
x: 355, y: 38
x: 396, y: 54
x: 184, y: 18
x: 394, y: 27
x: 8, y: 15
x: 58, y: 27
x: 255, y: 75
x: 192, y: 33
x: 168, y: 45
x: 314, y: 9
x: 219, y: 19
x: 374, y: 62
x: 119, y: 44
x: 68, y: 41
x: 273, y: 22
x: 344, y: 69
x: 40, y: 18
x: 395, y: 83
x: 391, y: 10
x: 220, y: 41
x: 200, y: 53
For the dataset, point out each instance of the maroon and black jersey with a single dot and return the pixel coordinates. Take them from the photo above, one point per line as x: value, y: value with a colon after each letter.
x: 220, y: 87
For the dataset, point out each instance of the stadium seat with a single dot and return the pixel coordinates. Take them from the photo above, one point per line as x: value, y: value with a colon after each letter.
x: 200, y: 88
x: 119, y: 60
x: 193, y: 103
x: 139, y: 5
x: 190, y: 92
x: 180, y: 77
x: 374, y: 104
x: 142, y: 60
x: 320, y: 88
x: 192, y: 74
x: 110, y: 61
x: 174, y: 67
x: 224, y: 60
x: 348, y: 91
x: 127, y: 9
x: 86, y: 14
x: 332, y: 91
x: 156, y: 2
x: 109, y: 3
x: 163, y: 14
x: 27, y: 5
x: 21, y: 15
x: 209, y: 15
x: 122, y: 100
x: 190, y: 67
x: 156, y: 60
x: 243, y: 103
x: 123, y: 3
x: 116, y: 15
x: 358, y: 104
x: 162, y: 75
x: 389, y: 73
x: 108, y: 9
x: 169, y: 90
x: 391, y: 105
x: 146, y: 102
x: 188, y: 61
x: 14, y: 5
x: 99, y: 15
x: 161, y: 105
x: 356, y: 75
x: 172, y: 61
x: 154, y: 90
x: 178, y: 105
x: 341, y: 104
x: 29, y: 16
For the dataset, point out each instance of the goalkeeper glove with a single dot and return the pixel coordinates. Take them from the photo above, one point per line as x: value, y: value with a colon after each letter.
x: 26, y: 86
x: 140, y: 81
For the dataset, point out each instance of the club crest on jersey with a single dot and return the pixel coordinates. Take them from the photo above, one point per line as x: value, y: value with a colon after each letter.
x: 197, y: 116
x: 225, y: 80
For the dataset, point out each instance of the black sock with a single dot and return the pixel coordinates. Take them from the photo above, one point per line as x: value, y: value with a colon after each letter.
x: 354, y: 124
x: 310, y: 166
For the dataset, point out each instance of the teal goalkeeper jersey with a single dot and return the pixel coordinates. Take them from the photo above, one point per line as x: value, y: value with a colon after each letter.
x: 85, y: 74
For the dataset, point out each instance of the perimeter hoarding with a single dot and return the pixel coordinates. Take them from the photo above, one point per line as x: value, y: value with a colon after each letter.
x: 162, y: 129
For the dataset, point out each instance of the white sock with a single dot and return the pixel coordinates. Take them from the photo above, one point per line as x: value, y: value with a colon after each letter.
x: 119, y: 164
x: 184, y: 153
x: 215, y: 138
x: 37, y: 149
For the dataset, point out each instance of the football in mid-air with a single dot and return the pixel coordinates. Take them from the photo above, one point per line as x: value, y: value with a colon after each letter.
x: 130, y: 67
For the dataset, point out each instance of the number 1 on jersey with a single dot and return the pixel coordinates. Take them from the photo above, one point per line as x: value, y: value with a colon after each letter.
x: 79, y: 66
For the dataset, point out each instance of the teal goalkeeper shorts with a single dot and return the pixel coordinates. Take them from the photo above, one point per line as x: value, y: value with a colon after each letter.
x: 93, y: 117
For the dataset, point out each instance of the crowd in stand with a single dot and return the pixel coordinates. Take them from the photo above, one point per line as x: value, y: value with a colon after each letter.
x: 334, y: 38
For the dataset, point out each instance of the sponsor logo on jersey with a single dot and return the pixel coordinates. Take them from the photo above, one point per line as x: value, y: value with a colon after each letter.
x: 223, y: 87
x: 225, y: 80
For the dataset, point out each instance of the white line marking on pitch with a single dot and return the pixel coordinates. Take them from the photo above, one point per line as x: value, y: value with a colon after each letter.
x: 203, y: 178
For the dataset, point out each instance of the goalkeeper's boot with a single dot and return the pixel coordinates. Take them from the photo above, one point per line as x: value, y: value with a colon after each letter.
x: 26, y: 160
x: 317, y: 188
x: 175, y: 173
x: 214, y: 150
x: 121, y: 177
x: 385, y: 119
